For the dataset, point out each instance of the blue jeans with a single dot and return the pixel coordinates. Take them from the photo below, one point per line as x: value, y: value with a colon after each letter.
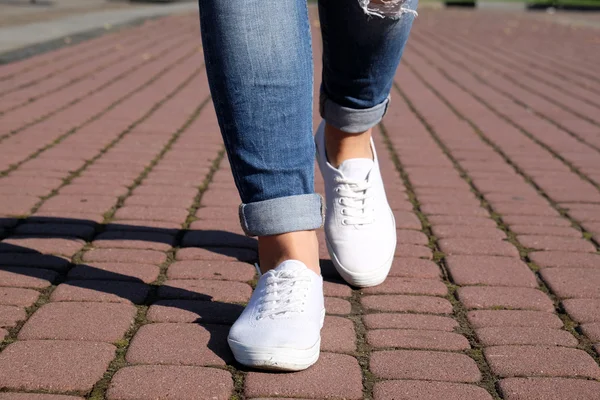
x: 259, y: 64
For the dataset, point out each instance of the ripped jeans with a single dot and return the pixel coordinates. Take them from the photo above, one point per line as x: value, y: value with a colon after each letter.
x: 259, y: 64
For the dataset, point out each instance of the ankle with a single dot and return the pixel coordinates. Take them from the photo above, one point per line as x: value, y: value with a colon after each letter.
x: 302, y: 246
x: 341, y: 146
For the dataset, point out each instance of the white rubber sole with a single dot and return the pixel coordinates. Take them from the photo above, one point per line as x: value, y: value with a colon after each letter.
x: 276, y: 358
x: 369, y: 278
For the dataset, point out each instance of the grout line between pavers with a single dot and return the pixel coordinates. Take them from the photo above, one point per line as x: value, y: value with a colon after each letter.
x: 96, y: 117
x: 514, y: 99
x: 92, y: 92
x: 73, y: 81
x: 488, y: 380
x: 568, y: 324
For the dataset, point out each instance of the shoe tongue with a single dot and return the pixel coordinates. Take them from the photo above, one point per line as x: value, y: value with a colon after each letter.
x: 291, y: 266
x: 356, y: 168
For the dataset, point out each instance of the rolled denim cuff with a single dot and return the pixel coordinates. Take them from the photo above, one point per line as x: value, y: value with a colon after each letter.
x: 303, y: 212
x: 351, y: 120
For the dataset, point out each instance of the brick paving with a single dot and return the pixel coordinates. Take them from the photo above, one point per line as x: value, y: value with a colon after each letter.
x: 122, y: 264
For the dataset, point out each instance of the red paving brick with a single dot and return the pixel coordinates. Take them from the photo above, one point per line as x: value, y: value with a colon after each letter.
x: 167, y: 381
x: 426, y: 365
x: 180, y: 344
x: 36, y: 396
x: 409, y: 390
x: 95, y: 322
x: 515, y: 361
x: 521, y: 179
x: 54, y: 365
x: 548, y: 389
x: 334, y: 375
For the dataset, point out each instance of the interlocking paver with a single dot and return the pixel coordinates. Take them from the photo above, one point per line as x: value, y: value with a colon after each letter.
x: 393, y: 285
x: 511, y: 298
x: 187, y: 344
x: 102, y: 291
x: 334, y: 305
x: 167, y: 381
x: 338, y: 335
x: 515, y: 361
x: 404, y: 303
x: 96, y: 322
x: 227, y: 270
x: 565, y: 259
x: 548, y: 389
x: 10, y: 315
x: 409, y: 321
x: 417, y: 339
x: 55, y: 365
x: 34, y: 278
x: 36, y: 396
x: 334, y: 375
x: 191, y: 289
x: 473, y: 246
x: 499, y: 336
x: 125, y: 255
x: 583, y: 310
x: 414, y: 268
x: 427, y: 365
x: 18, y: 297
x: 115, y: 271
x: 573, y: 282
x: 409, y: 390
x: 490, y: 270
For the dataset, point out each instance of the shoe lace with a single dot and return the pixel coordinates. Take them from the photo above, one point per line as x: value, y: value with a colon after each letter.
x: 285, y: 292
x: 356, y: 200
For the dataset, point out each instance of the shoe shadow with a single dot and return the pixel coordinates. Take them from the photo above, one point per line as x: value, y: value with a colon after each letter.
x: 191, y: 306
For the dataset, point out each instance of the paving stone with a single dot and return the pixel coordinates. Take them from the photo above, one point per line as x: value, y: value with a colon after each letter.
x: 134, y: 240
x: 338, y: 335
x: 334, y: 305
x: 33, y: 260
x: 206, y: 312
x: 334, y: 375
x: 217, y: 253
x: 454, y: 220
x: 134, y: 225
x: 406, y: 220
x: 565, y: 259
x: 535, y: 220
x: 466, y: 231
x: 55, y: 246
x: 18, y: 297
x: 561, y: 231
x: 125, y: 256
x: 583, y: 310
x: 556, y: 243
x: 513, y: 318
x: 548, y: 389
x: 34, y: 278
x: 408, y: 236
x: 207, y: 269
x: 414, y: 268
x: 490, y: 270
x: 101, y: 291
x: 592, y: 331
x: 170, y: 382
x: 168, y: 214
x: 426, y: 365
x: 115, y: 271
x: 470, y: 246
x: 410, y: 390
x: 409, y: 321
x: 36, y: 396
x: 500, y: 336
x: 511, y: 298
x: 573, y: 282
x: 404, y: 303
x: 412, y: 250
x: 216, y: 238
x: 79, y: 321
x: 180, y: 344
x: 205, y: 290
x: 417, y: 339
x: 54, y: 365
x: 515, y: 361
x: 336, y: 289
x: 519, y: 208
x: 10, y: 315
x: 394, y: 285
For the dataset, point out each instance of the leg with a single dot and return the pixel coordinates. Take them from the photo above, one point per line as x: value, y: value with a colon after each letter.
x: 362, y: 45
x: 259, y: 64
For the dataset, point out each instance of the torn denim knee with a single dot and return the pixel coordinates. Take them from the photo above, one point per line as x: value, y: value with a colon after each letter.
x: 393, y: 9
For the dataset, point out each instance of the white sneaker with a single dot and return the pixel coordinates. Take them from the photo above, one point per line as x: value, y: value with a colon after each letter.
x: 360, y: 229
x: 280, y: 328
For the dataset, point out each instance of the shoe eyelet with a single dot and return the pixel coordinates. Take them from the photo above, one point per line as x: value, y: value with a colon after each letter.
x: 343, y: 211
x: 344, y: 222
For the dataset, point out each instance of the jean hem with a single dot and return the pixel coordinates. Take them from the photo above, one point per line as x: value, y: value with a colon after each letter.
x: 351, y: 120
x: 303, y: 212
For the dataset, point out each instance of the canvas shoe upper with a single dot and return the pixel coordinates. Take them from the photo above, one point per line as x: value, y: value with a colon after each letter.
x: 359, y: 225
